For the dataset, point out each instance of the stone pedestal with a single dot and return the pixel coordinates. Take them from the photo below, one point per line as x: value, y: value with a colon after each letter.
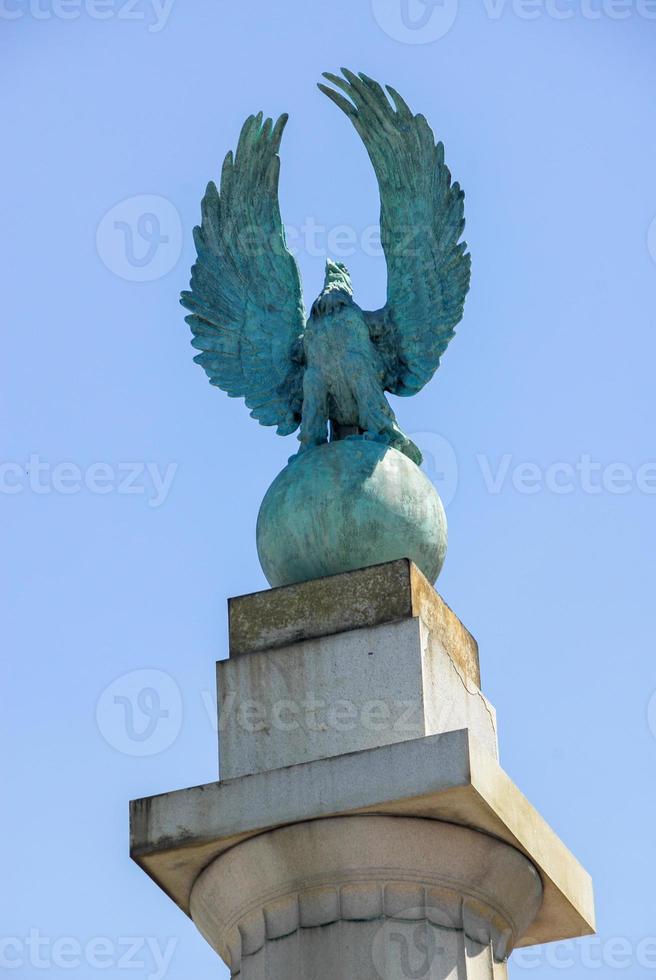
x: 363, y: 827
x: 343, y: 693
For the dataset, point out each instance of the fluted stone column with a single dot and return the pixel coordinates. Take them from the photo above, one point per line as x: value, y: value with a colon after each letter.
x: 367, y: 898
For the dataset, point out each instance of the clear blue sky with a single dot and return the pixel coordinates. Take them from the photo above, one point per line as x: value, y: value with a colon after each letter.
x: 548, y: 121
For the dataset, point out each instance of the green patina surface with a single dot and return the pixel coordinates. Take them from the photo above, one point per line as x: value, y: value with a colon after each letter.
x: 346, y: 505
x: 327, y: 374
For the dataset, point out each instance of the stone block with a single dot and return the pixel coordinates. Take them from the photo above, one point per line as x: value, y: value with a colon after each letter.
x: 353, y: 600
x: 447, y: 777
x: 342, y: 693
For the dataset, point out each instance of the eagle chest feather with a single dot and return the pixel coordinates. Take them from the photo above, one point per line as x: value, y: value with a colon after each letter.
x: 341, y: 358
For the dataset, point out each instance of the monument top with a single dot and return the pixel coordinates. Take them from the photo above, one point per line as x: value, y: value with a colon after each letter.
x: 353, y: 495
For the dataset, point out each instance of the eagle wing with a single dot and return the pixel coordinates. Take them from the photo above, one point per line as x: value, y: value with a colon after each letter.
x: 422, y: 220
x: 245, y: 301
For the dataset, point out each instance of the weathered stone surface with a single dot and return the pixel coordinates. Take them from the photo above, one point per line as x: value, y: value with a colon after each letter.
x: 445, y: 777
x: 343, y: 693
x: 365, y: 597
x: 374, y: 882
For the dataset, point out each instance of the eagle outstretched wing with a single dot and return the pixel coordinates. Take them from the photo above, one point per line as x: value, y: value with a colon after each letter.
x: 247, y: 312
x: 422, y: 219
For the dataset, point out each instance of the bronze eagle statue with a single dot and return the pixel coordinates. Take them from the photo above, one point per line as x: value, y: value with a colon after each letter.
x: 329, y: 373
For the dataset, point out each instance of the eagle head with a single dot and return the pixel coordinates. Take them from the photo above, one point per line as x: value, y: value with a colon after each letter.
x: 337, y: 290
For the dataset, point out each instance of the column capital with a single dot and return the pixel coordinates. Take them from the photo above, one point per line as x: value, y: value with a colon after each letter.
x: 477, y: 896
